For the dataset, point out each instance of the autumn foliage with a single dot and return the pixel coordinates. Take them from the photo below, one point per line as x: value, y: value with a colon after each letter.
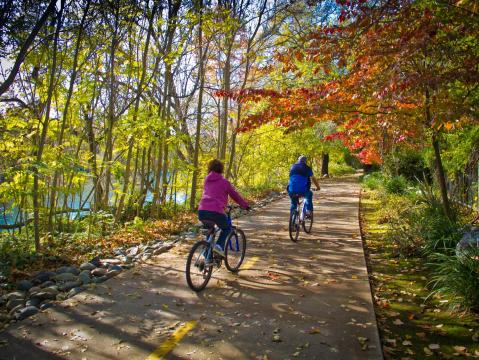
x: 385, y: 73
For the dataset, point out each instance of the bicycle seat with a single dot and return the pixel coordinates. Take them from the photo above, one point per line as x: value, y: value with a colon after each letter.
x: 297, y: 196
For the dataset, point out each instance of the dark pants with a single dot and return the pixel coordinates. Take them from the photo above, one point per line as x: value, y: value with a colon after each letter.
x: 221, y: 220
x: 308, y: 196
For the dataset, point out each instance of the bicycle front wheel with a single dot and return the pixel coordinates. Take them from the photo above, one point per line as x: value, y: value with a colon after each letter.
x: 199, y: 266
x: 235, y: 250
x: 308, y: 222
x: 294, y: 226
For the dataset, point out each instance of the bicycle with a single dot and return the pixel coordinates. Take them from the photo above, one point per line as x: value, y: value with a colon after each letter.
x: 298, y: 218
x: 201, y: 258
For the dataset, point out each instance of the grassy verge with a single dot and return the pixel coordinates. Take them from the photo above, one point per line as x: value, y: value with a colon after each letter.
x: 412, y: 324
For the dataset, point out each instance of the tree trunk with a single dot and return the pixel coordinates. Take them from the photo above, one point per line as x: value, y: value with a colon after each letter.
x: 441, y: 177
x: 65, y: 113
x: 201, y: 75
x: 135, y: 114
x: 108, y: 157
x: 225, y: 107
x: 43, y: 135
x: 325, y: 165
x: 26, y: 45
x: 156, y: 192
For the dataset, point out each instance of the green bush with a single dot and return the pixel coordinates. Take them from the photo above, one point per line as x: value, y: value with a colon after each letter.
x: 340, y: 168
x: 457, y: 278
x: 417, y: 223
x: 396, y: 185
x: 373, y: 181
x: 408, y: 163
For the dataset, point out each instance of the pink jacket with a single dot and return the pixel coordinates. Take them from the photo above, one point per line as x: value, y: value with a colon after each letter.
x: 215, y: 194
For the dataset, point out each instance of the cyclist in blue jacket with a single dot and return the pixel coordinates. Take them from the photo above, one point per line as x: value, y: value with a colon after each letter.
x: 300, y: 177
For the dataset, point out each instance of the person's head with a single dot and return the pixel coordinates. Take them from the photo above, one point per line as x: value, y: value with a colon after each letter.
x: 215, y: 165
x: 302, y: 159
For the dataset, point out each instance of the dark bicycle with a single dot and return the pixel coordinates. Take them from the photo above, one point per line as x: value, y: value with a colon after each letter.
x: 202, y: 258
x: 298, y: 218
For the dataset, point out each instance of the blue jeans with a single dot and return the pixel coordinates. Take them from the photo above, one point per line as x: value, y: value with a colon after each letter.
x: 308, y: 196
x: 221, y: 220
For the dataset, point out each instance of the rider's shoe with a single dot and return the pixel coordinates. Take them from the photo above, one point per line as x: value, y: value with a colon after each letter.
x: 219, y: 250
x: 308, y: 214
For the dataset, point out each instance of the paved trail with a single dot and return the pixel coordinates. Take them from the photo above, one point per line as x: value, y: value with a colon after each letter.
x: 313, y: 294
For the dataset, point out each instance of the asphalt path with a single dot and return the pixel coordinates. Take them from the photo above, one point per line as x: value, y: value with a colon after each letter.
x: 304, y: 300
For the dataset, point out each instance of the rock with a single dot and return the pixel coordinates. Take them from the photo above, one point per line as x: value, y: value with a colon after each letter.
x: 15, y: 309
x: 469, y: 240
x: 124, y: 258
x: 99, y: 279
x: 42, y: 277
x: 74, y: 291
x: 145, y: 256
x: 34, y: 290
x: 69, y: 285
x: 68, y: 270
x: 162, y: 249
x: 45, y: 305
x: 24, y: 285
x: 112, y: 273
x: 47, y: 284
x: 133, y: 251
x: 85, y: 277
x: 33, y: 302
x: 110, y: 261
x: 96, y: 261
x: 49, y: 293
x: 62, y: 296
x: 118, y: 251
x: 115, y: 267
x: 64, y: 277
x: 87, y: 266
x: 13, y: 303
x: 26, y: 312
x: 99, y: 272
x: 15, y: 295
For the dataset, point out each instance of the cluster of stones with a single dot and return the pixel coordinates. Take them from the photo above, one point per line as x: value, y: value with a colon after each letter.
x: 39, y: 292
x: 45, y: 287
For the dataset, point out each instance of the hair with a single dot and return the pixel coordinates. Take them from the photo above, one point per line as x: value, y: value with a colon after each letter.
x: 216, y: 166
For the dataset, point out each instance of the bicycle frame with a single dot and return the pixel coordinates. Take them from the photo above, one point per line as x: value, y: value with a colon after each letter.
x: 211, y: 235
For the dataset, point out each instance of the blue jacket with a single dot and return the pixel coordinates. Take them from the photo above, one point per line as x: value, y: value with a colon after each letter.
x: 299, y: 178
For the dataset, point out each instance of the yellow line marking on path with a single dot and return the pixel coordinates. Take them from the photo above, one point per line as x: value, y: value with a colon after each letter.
x: 172, y: 341
x: 250, y: 263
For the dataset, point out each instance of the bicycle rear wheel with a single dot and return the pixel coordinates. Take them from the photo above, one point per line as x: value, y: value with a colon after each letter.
x: 235, y: 250
x: 198, y: 267
x: 308, y: 223
x: 294, y: 225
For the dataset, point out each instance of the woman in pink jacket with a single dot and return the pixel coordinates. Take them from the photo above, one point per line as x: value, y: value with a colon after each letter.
x: 214, y: 200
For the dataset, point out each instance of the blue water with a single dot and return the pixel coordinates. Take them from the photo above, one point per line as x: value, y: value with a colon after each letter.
x: 9, y: 215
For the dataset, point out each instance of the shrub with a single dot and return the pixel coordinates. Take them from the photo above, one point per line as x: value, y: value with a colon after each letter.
x: 456, y: 277
x: 373, y: 181
x: 396, y: 185
x: 418, y: 225
x: 407, y: 163
x: 340, y: 168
